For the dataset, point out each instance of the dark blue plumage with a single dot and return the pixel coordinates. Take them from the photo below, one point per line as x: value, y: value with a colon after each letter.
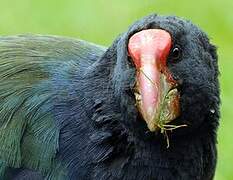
x: 100, y: 132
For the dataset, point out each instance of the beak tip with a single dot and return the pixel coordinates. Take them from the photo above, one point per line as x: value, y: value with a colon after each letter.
x: 152, y: 126
x: 150, y: 117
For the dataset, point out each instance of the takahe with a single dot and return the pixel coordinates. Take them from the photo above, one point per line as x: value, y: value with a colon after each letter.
x: 146, y: 108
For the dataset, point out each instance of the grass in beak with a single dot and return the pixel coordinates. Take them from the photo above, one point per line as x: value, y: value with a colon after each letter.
x: 162, y: 124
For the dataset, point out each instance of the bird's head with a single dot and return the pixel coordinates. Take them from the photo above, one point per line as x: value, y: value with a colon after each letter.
x: 167, y: 74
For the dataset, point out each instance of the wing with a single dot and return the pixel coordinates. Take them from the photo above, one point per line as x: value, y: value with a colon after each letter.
x: 28, y: 132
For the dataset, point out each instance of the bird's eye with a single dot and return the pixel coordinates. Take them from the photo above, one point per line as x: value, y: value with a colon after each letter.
x: 175, y: 53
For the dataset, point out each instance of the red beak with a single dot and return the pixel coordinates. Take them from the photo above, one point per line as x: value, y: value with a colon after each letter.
x: 156, y: 94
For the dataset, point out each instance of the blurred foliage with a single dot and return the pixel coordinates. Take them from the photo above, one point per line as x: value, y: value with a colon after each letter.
x: 100, y: 21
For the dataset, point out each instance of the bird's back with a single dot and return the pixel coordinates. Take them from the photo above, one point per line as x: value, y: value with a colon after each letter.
x: 29, y: 65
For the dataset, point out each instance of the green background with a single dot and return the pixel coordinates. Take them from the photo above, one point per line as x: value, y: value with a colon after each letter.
x: 100, y: 21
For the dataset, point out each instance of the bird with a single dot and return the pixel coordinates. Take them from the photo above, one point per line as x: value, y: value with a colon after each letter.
x: 144, y: 108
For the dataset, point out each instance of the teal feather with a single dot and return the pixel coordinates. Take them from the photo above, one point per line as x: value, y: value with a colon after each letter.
x: 3, y: 167
x: 28, y: 134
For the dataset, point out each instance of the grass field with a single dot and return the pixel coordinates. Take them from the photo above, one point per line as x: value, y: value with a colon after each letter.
x: 100, y: 21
